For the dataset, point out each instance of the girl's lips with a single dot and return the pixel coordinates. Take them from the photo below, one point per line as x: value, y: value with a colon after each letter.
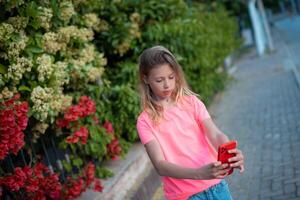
x: 167, y: 91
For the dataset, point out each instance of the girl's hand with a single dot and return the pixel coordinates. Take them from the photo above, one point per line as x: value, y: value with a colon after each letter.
x: 215, y: 170
x: 238, y: 160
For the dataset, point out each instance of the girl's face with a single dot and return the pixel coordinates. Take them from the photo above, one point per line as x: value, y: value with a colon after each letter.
x: 161, y: 80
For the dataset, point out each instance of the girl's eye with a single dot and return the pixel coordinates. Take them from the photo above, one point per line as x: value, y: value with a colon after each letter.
x: 171, y: 77
x: 158, y: 81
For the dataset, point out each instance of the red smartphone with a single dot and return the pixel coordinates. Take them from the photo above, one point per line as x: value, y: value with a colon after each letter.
x: 223, y: 154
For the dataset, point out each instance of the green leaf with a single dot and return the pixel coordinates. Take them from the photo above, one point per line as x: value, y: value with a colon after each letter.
x: 67, y: 166
x: 103, y: 173
x: 94, y: 132
x: 94, y: 147
x: 2, y: 69
x: 77, y: 162
x: 24, y: 88
x: 33, y: 49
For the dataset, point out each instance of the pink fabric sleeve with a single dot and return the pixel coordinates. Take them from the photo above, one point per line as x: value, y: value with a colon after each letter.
x: 144, y: 130
x: 201, y: 112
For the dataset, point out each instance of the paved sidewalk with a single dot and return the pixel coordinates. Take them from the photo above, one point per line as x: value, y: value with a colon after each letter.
x: 261, y: 109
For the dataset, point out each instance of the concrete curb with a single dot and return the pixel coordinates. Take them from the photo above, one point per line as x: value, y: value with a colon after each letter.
x: 127, y: 171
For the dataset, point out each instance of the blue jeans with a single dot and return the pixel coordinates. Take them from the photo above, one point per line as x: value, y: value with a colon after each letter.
x: 216, y: 192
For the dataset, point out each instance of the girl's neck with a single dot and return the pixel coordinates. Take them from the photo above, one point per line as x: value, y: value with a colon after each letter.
x: 165, y: 102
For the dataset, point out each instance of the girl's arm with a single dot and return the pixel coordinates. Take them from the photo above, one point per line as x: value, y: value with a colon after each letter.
x: 217, y: 137
x: 164, y: 168
x: 213, y: 133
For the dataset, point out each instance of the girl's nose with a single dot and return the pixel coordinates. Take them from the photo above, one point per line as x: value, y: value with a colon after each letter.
x: 166, y: 84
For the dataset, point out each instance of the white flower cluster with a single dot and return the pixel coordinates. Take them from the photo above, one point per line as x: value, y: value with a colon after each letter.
x: 14, y: 48
x: 123, y: 47
x: 48, y: 102
x: 5, y: 31
x: 18, y: 22
x: 135, y: 17
x: 134, y: 32
x: 53, y: 42
x: 7, y: 94
x: 68, y: 32
x: 16, y: 70
x: 61, y: 75
x: 89, y: 62
x: 44, y: 17
x: 66, y: 11
x: 95, y: 73
x: 77, y: 2
x: 45, y: 68
x: 41, y: 98
x: 92, y: 21
x: 100, y: 60
x: 39, y: 129
x: 13, y: 45
x: 85, y: 56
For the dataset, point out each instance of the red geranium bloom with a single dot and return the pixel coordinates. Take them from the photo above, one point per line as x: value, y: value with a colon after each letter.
x: 109, y: 127
x: 72, y: 139
x: 13, y: 120
x: 88, y: 106
x: 90, y: 173
x: 114, y: 149
x: 98, y: 186
x: 72, y: 114
x: 62, y: 123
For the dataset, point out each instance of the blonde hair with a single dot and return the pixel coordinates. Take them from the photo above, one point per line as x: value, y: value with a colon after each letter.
x: 149, y: 59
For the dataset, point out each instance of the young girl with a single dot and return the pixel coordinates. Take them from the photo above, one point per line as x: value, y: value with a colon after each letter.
x: 174, y: 126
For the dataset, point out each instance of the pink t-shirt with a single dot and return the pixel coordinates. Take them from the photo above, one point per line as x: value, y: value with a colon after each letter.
x: 183, y: 142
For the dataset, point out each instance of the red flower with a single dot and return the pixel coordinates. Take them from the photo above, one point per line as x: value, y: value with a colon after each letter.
x: 16, y: 181
x: 72, y: 114
x: 37, y: 182
x: 109, y: 127
x: 13, y: 120
x: 82, y: 135
x: 72, y: 139
x: 90, y: 173
x: 98, y: 186
x: 52, y: 186
x: 85, y: 107
x: 73, y: 188
x: 95, y: 119
x: 88, y: 105
x: 62, y: 123
x: 21, y: 113
x: 32, y: 185
x: 114, y: 149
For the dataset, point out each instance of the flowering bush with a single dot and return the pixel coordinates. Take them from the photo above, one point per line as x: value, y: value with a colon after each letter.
x: 37, y: 182
x: 74, y: 187
x: 48, y: 57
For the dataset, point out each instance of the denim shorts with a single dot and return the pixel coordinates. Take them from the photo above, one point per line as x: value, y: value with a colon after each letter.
x: 216, y: 192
